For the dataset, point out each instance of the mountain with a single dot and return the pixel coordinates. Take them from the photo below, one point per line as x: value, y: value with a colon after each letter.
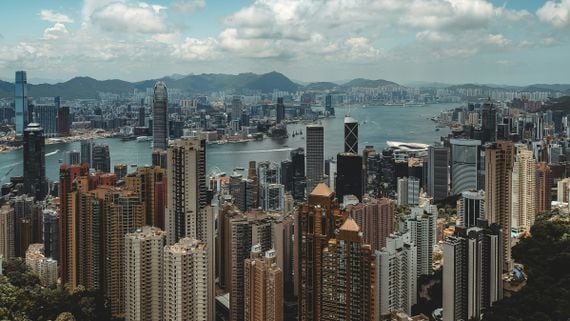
x: 361, y: 82
x: 323, y: 85
x: 426, y: 84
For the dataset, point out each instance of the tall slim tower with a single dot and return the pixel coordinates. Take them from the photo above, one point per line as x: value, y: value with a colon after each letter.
x: 464, y: 165
x: 350, y: 135
x: 499, y: 160
x: 350, y: 176
x: 143, y: 276
x: 160, y: 116
x: 21, y: 102
x: 187, y: 192
x: 101, y: 158
x: 470, y: 208
x: 280, y: 110
x: 438, y: 173
x: 35, y: 182
x: 315, y: 155
x: 524, y: 190
x: 263, y: 287
x: 543, y: 201
x: 489, y: 122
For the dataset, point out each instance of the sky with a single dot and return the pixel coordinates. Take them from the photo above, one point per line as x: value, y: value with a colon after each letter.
x: 515, y: 42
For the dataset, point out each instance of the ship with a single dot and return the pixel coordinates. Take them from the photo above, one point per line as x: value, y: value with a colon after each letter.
x: 144, y: 139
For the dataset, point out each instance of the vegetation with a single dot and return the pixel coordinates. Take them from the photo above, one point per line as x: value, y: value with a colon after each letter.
x: 546, y: 257
x: 22, y: 298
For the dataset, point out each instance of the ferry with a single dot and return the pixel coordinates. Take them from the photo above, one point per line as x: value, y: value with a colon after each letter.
x: 144, y: 139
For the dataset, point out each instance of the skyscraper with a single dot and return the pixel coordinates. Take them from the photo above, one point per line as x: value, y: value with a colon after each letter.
x: 408, y: 191
x: 160, y: 116
x: 46, y: 116
x: 263, y: 286
x: 187, y: 193
x: 350, y: 135
x: 63, y: 120
x: 50, y: 231
x: 396, y: 275
x: 350, y: 176
x: 499, y: 159
x: 489, y: 122
x: 470, y: 208
x: 101, y: 158
x: 86, y: 149
x: 315, y: 155
x: 35, y: 182
x: 299, y: 180
x: 7, y: 233
x: 348, y: 277
x: 422, y: 228
x: 437, y: 172
x: 143, y: 276
x: 280, y: 110
x: 72, y: 157
x: 524, y: 190
x: 543, y: 201
x: 21, y: 102
x: 375, y: 218
x: 472, y: 271
x: 464, y: 165
x: 328, y: 105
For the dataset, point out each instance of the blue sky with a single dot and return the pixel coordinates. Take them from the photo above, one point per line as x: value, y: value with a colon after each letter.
x: 455, y: 41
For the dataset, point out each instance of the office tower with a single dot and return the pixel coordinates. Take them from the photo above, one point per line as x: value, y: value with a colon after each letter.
x: 35, y: 182
x: 273, y: 197
x: 348, y: 277
x: 141, y: 118
x: 101, y: 158
x: 236, y: 108
x: 280, y: 111
x: 472, y: 271
x: 328, y: 105
x: 543, y: 198
x: 375, y: 218
x: 350, y: 135
x: 86, y: 148
x: 437, y: 172
x: 63, y: 120
x: 144, y: 261
x: 499, y: 159
x: 237, y: 191
x: 464, y: 165
x: 67, y: 221
x: 315, y: 155
x: 50, y: 231
x: 188, y: 289
x: 299, y: 180
x: 7, y: 235
x: 144, y: 183
x: 21, y: 102
x: 396, y: 275
x: 46, y: 116
x: 408, y: 191
x: 160, y: 116
x: 349, y: 176
x: 120, y: 171
x: 187, y: 193
x: 263, y: 286
x: 489, y: 122
x: 287, y: 174
x: 283, y: 234
x: 315, y: 224
x: 159, y: 158
x: 72, y: 157
x: 524, y: 190
x: 227, y: 212
x: 422, y: 228
x: 470, y: 208
x: 252, y: 186
x: 563, y: 189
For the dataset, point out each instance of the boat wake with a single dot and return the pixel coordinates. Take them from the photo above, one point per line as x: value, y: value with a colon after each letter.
x: 53, y: 153
x: 255, y: 151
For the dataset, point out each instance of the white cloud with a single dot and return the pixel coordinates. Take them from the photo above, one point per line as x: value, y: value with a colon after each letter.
x: 57, y: 31
x: 433, y: 36
x: 196, y: 49
x: 188, y: 6
x: 124, y: 17
x: 555, y: 13
x: 360, y: 48
x: 51, y: 16
x: 497, y: 40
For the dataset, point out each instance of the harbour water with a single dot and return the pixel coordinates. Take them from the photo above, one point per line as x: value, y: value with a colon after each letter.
x: 377, y: 125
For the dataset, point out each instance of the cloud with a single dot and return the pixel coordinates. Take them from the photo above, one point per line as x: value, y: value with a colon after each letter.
x: 125, y: 17
x: 360, y: 48
x: 195, y: 49
x: 188, y: 6
x: 555, y: 13
x: 51, y: 16
x: 57, y: 31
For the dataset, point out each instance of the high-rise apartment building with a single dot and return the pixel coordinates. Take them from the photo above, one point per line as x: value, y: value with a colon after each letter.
x: 524, y: 190
x: 499, y: 161
x: 408, y: 191
x: 464, y: 165
x: 145, y: 182
x: 422, y: 228
x: 375, y: 218
x: 438, y: 172
x: 543, y: 198
x: 7, y: 235
x: 348, y: 277
x: 21, y: 102
x: 563, y: 190
x: 315, y: 155
x: 472, y: 271
x: 50, y: 232
x: 187, y: 193
x: 350, y: 135
x: 315, y: 224
x: 349, y: 178
x: 396, y: 275
x: 143, y: 275
x: 160, y: 116
x: 35, y: 181
x: 72, y: 157
x: 64, y: 119
x: 263, y: 286
x: 188, y: 293
x: 470, y: 208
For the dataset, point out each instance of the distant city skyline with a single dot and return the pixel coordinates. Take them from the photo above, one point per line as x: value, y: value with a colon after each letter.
x: 452, y: 41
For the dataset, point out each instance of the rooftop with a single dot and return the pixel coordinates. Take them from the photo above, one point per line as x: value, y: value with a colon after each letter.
x: 321, y: 190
